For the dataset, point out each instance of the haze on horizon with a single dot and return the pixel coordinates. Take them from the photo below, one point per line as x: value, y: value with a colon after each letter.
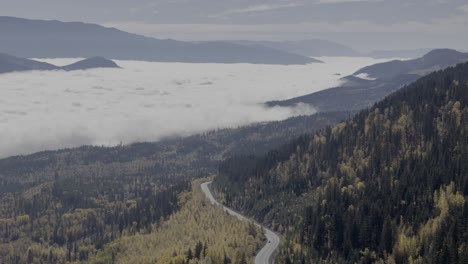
x: 364, y: 25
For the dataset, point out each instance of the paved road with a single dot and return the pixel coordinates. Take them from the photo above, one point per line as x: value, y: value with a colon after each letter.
x: 265, y: 255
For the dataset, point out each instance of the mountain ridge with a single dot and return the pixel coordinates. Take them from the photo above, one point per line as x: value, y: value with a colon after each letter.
x: 55, y: 39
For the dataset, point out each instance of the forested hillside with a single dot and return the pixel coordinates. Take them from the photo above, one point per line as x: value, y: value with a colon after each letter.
x: 199, y: 233
x: 81, y: 208
x: 389, y: 185
x: 65, y: 206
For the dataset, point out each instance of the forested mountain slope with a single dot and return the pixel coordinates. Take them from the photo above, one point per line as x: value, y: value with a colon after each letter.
x: 390, y: 184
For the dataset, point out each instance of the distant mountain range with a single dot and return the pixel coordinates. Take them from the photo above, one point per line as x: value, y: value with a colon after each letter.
x: 320, y: 47
x: 358, y: 92
x: 309, y: 47
x: 10, y: 63
x: 52, y: 39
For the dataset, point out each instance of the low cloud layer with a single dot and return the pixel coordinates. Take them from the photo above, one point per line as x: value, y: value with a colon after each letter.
x: 146, y: 101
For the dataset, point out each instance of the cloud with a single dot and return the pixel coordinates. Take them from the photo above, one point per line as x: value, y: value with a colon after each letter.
x: 345, y: 1
x: 464, y: 8
x: 134, y: 10
x: 253, y: 9
x: 147, y: 101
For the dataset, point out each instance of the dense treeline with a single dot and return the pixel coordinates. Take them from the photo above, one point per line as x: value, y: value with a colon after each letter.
x: 389, y: 185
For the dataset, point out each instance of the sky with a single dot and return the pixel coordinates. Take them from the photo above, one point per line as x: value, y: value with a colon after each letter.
x: 149, y: 100
x: 361, y: 24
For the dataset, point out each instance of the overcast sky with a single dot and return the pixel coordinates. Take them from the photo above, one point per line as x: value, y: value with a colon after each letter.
x: 361, y: 24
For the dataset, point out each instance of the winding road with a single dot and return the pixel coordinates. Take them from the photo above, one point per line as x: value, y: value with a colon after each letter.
x: 265, y: 255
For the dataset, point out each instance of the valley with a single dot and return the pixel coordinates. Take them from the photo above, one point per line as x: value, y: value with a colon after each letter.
x: 233, y: 132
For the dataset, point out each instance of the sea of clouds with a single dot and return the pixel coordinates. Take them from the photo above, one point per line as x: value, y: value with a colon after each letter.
x: 147, y: 101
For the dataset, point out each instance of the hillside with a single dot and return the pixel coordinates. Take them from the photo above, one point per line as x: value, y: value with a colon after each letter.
x: 85, y: 198
x: 358, y: 93
x: 198, y: 232
x: 390, y: 184
x: 355, y: 94
x: 55, y: 39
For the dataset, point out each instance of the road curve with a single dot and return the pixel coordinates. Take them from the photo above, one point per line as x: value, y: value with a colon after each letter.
x: 265, y: 255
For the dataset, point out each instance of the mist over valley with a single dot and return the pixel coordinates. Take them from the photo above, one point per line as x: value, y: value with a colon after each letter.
x: 148, y: 101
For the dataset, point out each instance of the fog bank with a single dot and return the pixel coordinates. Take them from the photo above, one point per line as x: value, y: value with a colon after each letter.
x: 147, y: 101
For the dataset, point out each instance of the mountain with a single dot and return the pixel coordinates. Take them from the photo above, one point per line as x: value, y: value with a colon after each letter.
x: 10, y: 63
x: 310, y: 47
x: 432, y: 61
x: 390, y: 185
x: 358, y: 93
x: 355, y: 94
x: 52, y: 39
x: 91, y: 63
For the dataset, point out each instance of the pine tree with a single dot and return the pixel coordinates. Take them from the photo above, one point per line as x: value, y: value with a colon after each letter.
x: 189, y: 254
